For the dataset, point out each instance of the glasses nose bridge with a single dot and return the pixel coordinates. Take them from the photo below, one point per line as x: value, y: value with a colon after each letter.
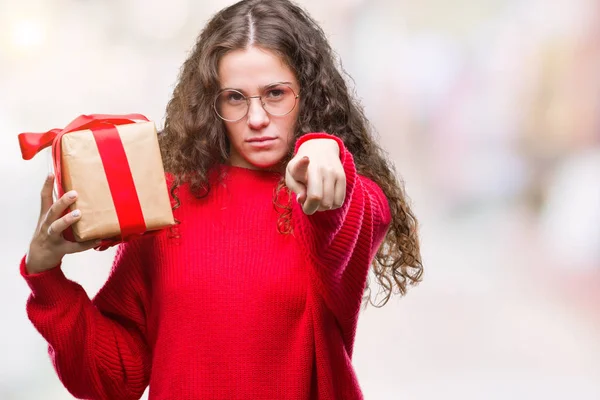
x: 249, y: 102
x: 249, y: 98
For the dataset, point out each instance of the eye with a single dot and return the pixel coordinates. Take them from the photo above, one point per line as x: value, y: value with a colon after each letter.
x: 275, y: 93
x: 234, y: 97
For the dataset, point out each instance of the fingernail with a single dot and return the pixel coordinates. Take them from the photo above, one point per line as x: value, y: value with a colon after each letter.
x: 72, y: 194
x: 76, y: 213
x: 50, y: 176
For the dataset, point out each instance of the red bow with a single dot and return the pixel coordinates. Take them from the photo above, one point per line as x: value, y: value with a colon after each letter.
x: 114, y: 160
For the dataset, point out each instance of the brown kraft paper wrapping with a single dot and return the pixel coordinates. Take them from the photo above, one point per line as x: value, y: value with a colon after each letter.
x: 82, y: 171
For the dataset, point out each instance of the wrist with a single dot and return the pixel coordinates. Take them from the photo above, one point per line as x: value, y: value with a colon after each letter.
x: 34, y: 266
x: 321, y: 135
x: 320, y: 144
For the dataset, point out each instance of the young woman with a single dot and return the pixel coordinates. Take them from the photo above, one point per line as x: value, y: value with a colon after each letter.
x: 256, y: 293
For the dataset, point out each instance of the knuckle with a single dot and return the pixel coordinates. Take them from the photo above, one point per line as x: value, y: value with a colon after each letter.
x: 66, y: 221
x: 69, y: 197
x: 327, y: 169
x: 56, y: 209
x: 65, y: 201
x: 45, y: 195
x: 288, y: 181
x: 60, y: 223
x: 50, y: 214
x: 50, y: 230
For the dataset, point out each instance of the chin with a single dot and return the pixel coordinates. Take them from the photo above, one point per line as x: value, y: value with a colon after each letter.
x: 265, y: 162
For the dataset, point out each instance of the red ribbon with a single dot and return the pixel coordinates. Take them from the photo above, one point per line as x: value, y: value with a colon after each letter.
x: 114, y: 161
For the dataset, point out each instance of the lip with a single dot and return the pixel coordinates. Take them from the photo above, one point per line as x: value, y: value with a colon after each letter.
x: 261, y: 139
x: 262, y: 143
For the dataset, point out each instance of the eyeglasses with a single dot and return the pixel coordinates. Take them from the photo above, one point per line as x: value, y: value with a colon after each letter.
x: 277, y: 99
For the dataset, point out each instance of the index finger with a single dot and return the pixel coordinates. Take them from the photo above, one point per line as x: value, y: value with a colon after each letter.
x: 299, y: 170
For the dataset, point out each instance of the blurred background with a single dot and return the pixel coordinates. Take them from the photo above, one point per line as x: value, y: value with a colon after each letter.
x: 490, y: 110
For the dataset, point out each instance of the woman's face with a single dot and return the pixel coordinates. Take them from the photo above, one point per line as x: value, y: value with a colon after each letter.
x: 259, y: 140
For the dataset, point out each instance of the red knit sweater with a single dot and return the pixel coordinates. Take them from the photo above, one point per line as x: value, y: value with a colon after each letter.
x: 232, y: 309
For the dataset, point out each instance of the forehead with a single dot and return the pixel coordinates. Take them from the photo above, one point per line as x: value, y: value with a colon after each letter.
x: 253, y: 68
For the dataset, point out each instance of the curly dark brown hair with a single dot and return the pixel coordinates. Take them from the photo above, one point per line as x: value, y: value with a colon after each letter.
x: 194, y: 138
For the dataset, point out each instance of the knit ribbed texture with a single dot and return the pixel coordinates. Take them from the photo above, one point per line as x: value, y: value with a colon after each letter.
x: 231, y: 308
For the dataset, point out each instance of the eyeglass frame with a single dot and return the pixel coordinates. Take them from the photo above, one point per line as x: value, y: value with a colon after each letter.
x: 262, y: 103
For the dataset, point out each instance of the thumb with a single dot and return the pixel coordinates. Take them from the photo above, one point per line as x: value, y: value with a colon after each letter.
x: 299, y: 171
x: 46, y: 195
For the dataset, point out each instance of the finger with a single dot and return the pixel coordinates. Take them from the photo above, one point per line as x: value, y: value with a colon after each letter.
x: 294, y: 171
x: 295, y: 186
x: 46, y: 194
x: 301, y: 197
x: 299, y: 170
x: 340, y: 191
x: 328, y: 191
x: 298, y: 190
x: 78, y: 247
x: 58, y: 208
x: 56, y: 228
x: 314, y: 193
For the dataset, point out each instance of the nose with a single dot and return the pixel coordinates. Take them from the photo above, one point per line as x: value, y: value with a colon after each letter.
x: 257, y: 116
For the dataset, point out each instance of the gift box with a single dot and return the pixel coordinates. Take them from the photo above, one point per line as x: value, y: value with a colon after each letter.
x: 114, y: 163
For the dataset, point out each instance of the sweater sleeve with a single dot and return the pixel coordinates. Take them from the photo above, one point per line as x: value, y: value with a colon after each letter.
x: 341, y: 243
x: 98, y: 348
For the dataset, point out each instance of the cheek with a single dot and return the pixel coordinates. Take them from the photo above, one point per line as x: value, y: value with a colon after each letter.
x: 289, y: 127
x: 234, y: 132
x: 292, y: 123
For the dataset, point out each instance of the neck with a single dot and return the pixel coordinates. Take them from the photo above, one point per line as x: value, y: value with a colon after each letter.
x: 279, y: 167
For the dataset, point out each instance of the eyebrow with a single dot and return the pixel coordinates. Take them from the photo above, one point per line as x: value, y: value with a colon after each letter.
x: 260, y: 88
